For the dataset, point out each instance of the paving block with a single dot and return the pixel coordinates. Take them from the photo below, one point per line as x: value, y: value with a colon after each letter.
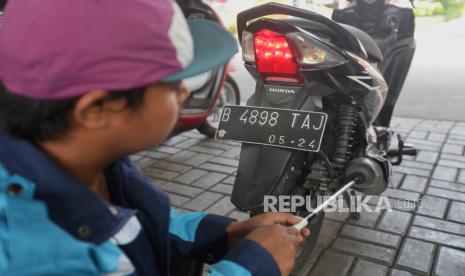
x: 158, y: 182
x: 144, y: 162
x: 328, y: 232
x: 155, y: 154
x: 168, y: 149
x: 182, y: 189
x: 437, y: 237
x: 397, y: 272
x: 209, y: 180
x: 181, y: 156
x: 452, y: 163
x: 458, y: 131
x: 401, y: 194
x: 395, y: 221
x: 367, y: 219
x: 222, y: 188
x: 454, y: 195
x: 448, y: 185
x: 451, y: 262
x: 194, y: 134
x: 232, y: 153
x: 177, y: 200
x: 414, y: 183
x: 456, y: 140
x: 427, y: 157
x: 418, y: 134
x: 215, y: 144
x: 454, y: 157
x: 175, y: 140
x: 365, y: 268
x: 174, y: 167
x: 198, y: 159
x: 414, y: 171
x: 163, y: 174
x: 188, y: 143
x: 439, y: 224
x: 230, y: 180
x: 457, y: 212
x: 338, y: 216
x: 333, y: 264
x: 203, y: 201
x: 452, y: 149
x: 462, y: 177
x: 222, y: 207
x: 445, y: 173
x: 433, y: 206
x: 225, y: 161
x: 377, y: 253
x: 396, y: 180
x: 416, y: 255
x: 438, y: 137
x: 218, y: 168
x: 206, y: 150
x: 369, y: 235
x: 191, y: 176
x: 417, y: 165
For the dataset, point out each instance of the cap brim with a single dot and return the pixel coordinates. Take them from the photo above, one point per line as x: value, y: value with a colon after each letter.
x: 213, y: 46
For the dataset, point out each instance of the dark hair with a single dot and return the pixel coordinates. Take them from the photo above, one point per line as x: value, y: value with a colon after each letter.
x: 41, y: 120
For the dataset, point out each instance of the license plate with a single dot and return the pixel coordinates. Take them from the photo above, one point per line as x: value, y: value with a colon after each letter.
x: 294, y: 129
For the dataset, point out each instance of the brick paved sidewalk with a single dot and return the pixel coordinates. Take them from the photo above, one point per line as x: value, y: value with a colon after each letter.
x: 198, y: 174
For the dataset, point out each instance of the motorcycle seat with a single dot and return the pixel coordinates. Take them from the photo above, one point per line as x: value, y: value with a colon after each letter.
x: 373, y: 51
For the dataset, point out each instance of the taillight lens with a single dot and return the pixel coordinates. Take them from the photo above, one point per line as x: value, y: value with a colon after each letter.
x: 273, y: 54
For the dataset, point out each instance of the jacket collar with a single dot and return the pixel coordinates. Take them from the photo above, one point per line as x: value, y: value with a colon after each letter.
x: 71, y: 204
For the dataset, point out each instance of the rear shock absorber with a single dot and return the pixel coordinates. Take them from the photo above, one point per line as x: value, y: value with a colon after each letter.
x: 346, y: 124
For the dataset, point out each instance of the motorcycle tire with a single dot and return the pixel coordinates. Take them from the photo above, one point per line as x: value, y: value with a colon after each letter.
x: 300, y: 267
x: 231, y: 95
x: 306, y: 249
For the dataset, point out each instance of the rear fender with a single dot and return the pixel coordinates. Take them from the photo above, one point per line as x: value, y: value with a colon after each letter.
x: 267, y: 170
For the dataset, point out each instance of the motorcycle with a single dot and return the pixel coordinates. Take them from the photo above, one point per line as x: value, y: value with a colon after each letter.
x: 392, y: 25
x: 210, y: 91
x: 315, y: 121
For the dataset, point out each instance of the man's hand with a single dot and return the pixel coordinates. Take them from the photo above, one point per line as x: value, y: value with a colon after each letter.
x: 239, y: 230
x: 281, y: 242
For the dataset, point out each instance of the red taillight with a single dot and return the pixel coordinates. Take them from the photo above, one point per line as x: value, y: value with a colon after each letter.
x: 273, y: 54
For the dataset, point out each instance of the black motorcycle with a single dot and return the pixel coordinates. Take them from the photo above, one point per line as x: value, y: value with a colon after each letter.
x: 316, y: 119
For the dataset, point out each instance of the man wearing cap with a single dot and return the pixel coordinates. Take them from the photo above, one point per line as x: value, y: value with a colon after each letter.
x: 84, y: 84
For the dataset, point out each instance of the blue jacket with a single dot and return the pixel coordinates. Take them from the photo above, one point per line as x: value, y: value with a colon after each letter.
x: 50, y: 224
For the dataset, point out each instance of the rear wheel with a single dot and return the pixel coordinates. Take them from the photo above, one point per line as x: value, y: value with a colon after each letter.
x: 290, y: 180
x: 304, y: 252
x: 230, y: 94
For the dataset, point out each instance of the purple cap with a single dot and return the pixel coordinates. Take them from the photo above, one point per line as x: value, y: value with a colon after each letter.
x: 58, y: 49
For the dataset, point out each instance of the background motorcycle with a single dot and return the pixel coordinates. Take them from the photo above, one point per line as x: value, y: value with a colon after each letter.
x: 311, y: 67
x: 209, y: 91
x: 391, y: 24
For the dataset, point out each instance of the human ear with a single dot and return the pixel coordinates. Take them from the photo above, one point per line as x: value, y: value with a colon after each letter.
x: 183, y: 94
x: 93, y: 110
